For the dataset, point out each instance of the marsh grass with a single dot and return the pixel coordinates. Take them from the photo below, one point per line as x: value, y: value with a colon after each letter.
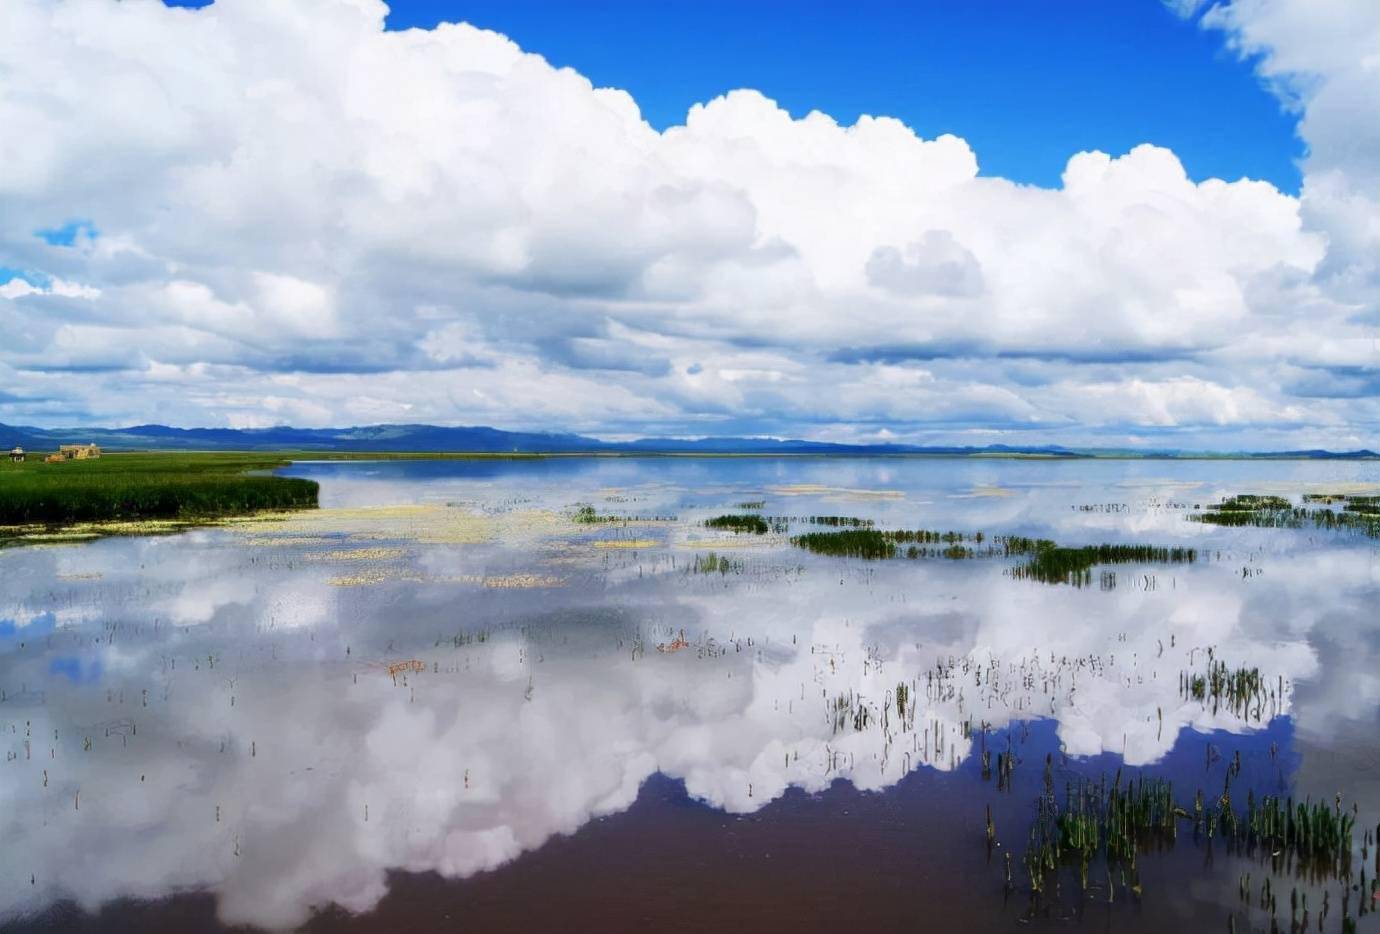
x: 1357, y: 513
x: 1112, y: 823
x: 585, y: 514
x: 712, y: 563
x: 739, y: 522
x: 1055, y: 564
x: 1048, y: 562
x: 1243, y: 691
x: 147, y: 486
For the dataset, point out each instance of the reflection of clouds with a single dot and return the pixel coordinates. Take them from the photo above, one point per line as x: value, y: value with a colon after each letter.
x: 292, y: 771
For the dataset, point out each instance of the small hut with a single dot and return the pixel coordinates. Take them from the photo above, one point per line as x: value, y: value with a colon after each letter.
x: 17, y: 454
x: 79, y: 452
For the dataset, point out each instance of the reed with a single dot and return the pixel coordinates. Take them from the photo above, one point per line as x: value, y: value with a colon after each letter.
x: 147, y: 486
x: 739, y: 522
x: 1358, y: 513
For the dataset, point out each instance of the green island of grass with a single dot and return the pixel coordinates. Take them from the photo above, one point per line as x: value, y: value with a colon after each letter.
x: 145, y: 486
x: 731, y: 522
x: 1048, y: 562
x: 1358, y: 512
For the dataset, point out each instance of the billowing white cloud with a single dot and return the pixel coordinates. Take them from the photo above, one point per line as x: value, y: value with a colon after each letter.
x: 434, y: 225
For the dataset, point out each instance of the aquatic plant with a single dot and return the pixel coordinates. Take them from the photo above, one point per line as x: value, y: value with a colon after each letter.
x: 738, y: 522
x: 1049, y: 562
x: 856, y: 543
x: 839, y: 521
x: 1242, y: 690
x: 1054, y: 564
x: 1358, y: 513
x: 874, y: 544
x: 586, y: 514
x: 715, y: 564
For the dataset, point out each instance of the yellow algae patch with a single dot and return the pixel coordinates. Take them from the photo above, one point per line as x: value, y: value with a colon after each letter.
x: 627, y: 543
x: 280, y: 541
x: 522, y: 581
x: 88, y: 531
x: 81, y: 576
x: 741, y: 541
x: 620, y: 522
x: 357, y: 554
x: 982, y: 491
x: 370, y: 576
x: 817, y: 489
x: 373, y: 576
x: 424, y: 523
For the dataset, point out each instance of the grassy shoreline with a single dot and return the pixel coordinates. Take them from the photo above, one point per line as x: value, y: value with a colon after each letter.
x: 154, y: 486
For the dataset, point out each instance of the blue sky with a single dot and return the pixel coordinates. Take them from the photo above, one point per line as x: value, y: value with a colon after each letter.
x: 1074, y: 222
x: 1026, y: 83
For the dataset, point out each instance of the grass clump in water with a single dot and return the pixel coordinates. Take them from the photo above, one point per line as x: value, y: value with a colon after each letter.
x: 1250, y: 509
x: 147, y: 486
x: 840, y: 522
x: 854, y: 543
x: 1112, y: 823
x: 1055, y: 564
x: 1244, y: 691
x: 734, y: 522
x: 715, y: 564
x: 1048, y: 562
x: 1358, y: 513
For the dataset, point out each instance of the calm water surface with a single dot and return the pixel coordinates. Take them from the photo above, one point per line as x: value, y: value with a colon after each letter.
x: 439, y: 703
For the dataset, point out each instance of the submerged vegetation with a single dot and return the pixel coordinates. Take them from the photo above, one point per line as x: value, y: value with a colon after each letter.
x: 1358, y: 513
x: 1112, y: 824
x: 147, y: 486
x: 875, y: 544
x: 1243, y: 691
x: 712, y: 563
x: 1054, y: 564
x: 738, y: 522
x: 586, y: 514
x: 1048, y: 562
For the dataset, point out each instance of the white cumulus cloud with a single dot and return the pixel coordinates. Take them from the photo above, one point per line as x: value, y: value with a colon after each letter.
x: 437, y: 225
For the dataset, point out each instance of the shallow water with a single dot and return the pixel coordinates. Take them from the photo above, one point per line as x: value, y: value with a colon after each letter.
x: 580, y: 729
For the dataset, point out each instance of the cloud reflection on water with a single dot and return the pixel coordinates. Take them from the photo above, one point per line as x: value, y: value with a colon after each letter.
x: 245, y: 736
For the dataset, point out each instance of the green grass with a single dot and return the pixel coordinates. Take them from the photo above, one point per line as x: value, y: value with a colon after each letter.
x: 739, y: 523
x: 854, y: 543
x: 1358, y: 513
x: 1054, y: 564
x: 147, y: 486
x: 1048, y: 562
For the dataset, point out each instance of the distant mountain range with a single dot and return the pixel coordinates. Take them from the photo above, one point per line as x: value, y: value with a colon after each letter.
x: 439, y: 439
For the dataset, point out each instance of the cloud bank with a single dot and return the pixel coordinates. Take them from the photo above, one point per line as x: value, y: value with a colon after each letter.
x: 258, y: 213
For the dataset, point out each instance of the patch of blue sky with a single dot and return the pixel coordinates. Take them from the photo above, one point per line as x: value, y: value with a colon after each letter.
x: 35, y: 279
x: 41, y: 625
x: 67, y: 233
x: 75, y: 670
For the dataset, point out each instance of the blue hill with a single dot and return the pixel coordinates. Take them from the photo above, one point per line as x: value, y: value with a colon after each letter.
x: 479, y: 439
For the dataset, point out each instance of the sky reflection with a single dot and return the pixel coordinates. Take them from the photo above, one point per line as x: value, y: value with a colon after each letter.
x: 215, y: 710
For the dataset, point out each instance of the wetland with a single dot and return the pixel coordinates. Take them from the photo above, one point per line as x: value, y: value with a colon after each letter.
x: 692, y: 693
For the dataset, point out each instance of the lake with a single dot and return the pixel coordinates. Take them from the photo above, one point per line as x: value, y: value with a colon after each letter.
x: 544, y: 694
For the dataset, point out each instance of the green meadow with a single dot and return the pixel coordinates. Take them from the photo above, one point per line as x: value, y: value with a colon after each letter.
x: 147, y: 486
